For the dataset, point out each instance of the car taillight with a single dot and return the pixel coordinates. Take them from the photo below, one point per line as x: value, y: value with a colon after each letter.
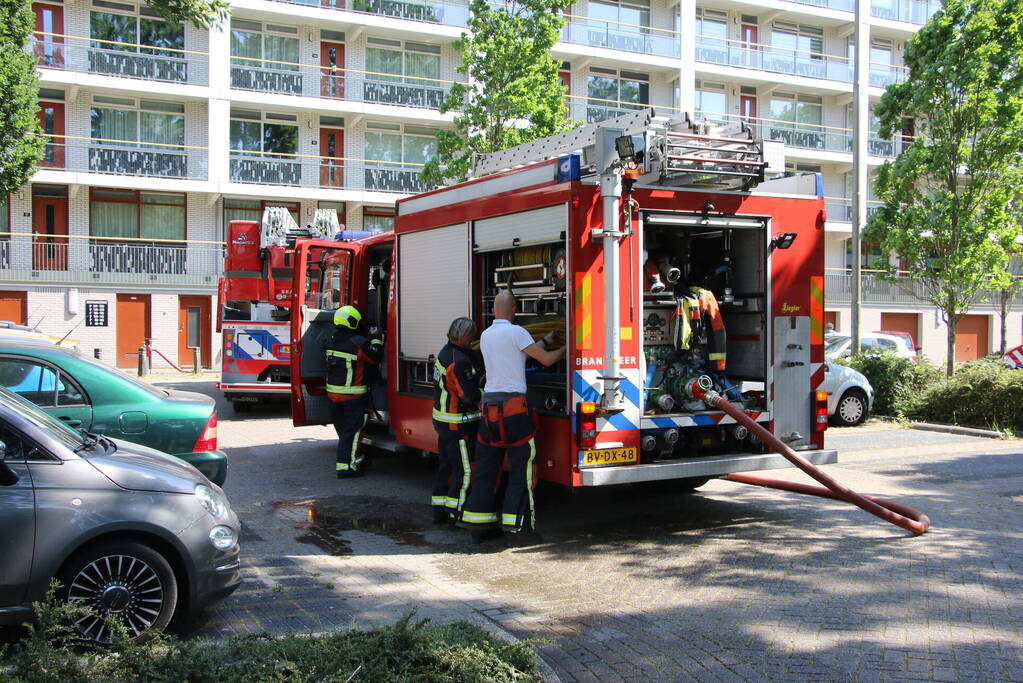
x: 821, y: 411
x: 207, y: 440
x: 586, y: 424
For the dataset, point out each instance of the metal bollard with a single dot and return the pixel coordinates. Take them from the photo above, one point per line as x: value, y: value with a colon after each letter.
x: 196, y: 369
x: 143, y: 362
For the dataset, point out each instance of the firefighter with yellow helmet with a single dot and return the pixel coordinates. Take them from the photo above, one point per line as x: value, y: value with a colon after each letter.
x: 352, y: 367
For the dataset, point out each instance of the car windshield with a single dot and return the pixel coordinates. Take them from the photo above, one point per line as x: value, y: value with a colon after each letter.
x: 159, y: 393
x: 51, y: 425
x: 834, y: 342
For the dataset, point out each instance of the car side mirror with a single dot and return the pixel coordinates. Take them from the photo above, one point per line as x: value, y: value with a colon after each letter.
x: 8, y: 477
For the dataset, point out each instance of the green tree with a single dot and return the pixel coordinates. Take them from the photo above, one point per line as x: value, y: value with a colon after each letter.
x: 21, y: 146
x: 946, y: 196
x: 514, y: 93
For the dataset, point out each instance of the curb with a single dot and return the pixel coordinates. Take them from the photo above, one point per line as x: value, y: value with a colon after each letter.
x: 955, y: 429
x: 548, y: 674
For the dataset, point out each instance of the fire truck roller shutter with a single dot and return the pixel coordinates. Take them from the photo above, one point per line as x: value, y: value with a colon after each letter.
x: 523, y: 229
x: 433, y: 287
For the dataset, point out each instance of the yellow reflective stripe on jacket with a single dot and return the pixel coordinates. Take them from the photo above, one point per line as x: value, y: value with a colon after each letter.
x: 509, y: 519
x: 715, y: 356
x: 455, y: 418
x: 341, y: 354
x: 335, y: 389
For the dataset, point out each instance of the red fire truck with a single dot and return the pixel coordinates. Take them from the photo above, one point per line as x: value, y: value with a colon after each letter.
x: 254, y: 302
x: 671, y: 265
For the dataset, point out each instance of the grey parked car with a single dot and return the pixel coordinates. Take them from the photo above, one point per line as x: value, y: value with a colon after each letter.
x: 124, y: 528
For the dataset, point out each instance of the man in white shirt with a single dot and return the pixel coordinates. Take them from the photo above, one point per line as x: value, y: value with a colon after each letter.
x: 506, y: 425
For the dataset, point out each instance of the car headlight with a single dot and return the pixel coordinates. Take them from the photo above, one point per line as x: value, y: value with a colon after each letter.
x: 223, y: 537
x: 211, y: 501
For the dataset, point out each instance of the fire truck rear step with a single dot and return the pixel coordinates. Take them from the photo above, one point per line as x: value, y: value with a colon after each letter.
x: 710, y: 466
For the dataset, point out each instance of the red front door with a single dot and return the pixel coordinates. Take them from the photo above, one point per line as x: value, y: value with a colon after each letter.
x: 748, y: 38
x: 748, y: 110
x: 133, y: 327
x: 49, y: 233
x: 332, y: 151
x: 49, y: 35
x: 332, y: 70
x: 194, y: 322
x: 51, y: 120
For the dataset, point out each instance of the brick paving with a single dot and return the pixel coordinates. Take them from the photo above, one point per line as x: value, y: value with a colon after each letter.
x: 733, y: 583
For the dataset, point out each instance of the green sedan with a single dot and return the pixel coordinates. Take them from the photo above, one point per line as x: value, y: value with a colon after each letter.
x: 90, y: 395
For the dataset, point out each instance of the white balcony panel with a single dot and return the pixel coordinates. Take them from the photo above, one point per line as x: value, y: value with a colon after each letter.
x: 381, y: 25
x: 99, y: 83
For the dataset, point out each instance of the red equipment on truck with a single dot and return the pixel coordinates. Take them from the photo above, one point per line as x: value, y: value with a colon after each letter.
x: 669, y: 265
x: 254, y: 302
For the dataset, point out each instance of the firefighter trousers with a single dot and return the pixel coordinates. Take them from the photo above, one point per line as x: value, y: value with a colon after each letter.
x: 451, y: 487
x: 506, y: 429
x: 349, y: 420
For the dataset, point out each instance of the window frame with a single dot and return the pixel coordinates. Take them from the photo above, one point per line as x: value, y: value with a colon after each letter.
x: 138, y: 215
x: 59, y: 376
x: 139, y: 13
x: 271, y: 29
x: 619, y: 5
x: 401, y: 130
x: 295, y: 208
x: 618, y: 75
x: 404, y: 48
x: 265, y: 119
x: 138, y: 108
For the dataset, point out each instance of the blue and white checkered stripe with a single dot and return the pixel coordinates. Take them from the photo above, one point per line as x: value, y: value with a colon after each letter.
x: 663, y: 422
x: 586, y: 387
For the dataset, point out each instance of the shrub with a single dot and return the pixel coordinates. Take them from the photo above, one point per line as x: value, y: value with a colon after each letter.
x: 409, y: 650
x: 982, y: 393
x: 899, y: 383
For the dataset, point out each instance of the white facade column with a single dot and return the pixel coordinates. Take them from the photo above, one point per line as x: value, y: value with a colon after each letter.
x: 861, y: 105
x: 219, y: 110
x: 687, y: 66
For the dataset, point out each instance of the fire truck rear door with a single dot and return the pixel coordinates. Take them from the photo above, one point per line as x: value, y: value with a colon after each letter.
x: 793, y: 400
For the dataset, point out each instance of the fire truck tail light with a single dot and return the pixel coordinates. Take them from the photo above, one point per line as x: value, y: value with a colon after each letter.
x: 587, y: 407
x: 207, y: 440
x: 821, y: 411
x: 586, y: 424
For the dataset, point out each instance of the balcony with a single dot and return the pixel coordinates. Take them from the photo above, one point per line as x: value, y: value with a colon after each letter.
x: 841, y: 5
x: 354, y: 85
x: 447, y: 13
x: 124, y: 60
x: 125, y: 157
x: 74, y: 258
x: 910, y: 11
x: 617, y: 36
x: 883, y: 75
x: 303, y: 170
x: 840, y: 209
x: 727, y: 52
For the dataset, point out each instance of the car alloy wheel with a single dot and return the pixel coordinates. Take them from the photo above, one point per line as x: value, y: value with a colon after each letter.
x: 851, y: 409
x: 131, y: 581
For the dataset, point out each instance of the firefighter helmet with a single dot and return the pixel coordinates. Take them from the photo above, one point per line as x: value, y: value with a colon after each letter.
x: 347, y: 316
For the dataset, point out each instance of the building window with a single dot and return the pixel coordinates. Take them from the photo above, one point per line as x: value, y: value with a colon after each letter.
x: 125, y: 119
x: 635, y: 13
x: 808, y: 40
x: 266, y: 135
x: 800, y: 110
x: 711, y: 101
x: 393, y: 145
x: 136, y: 214
x: 612, y: 93
x: 377, y: 219
x: 252, y: 209
x: 711, y: 27
x: 392, y: 61
x: 337, y: 207
x: 254, y: 44
x: 134, y: 29
x: 869, y: 253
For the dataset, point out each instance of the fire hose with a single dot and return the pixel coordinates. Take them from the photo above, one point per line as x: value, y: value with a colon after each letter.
x: 900, y: 515
x: 150, y: 349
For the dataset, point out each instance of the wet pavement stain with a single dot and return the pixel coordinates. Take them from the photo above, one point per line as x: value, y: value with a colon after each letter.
x: 327, y: 519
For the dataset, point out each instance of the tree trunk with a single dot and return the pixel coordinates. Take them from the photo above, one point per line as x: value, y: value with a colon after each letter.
x: 951, y: 348
x: 1003, y: 314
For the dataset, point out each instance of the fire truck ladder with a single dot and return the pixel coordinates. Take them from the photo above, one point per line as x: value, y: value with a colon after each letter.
x: 678, y: 152
x: 279, y: 228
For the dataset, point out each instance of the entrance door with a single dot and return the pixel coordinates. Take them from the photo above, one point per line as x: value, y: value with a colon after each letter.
x: 332, y: 65
x: 14, y: 307
x: 972, y: 338
x: 332, y: 147
x: 133, y: 327
x: 49, y: 230
x: 748, y: 38
x: 748, y: 110
x: 193, y: 329
x: 49, y: 35
x: 51, y: 120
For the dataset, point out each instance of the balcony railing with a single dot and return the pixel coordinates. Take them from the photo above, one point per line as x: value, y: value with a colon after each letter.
x: 125, y: 157
x: 911, y: 11
x: 448, y: 13
x: 840, y: 209
x: 883, y: 75
x: 841, y: 5
x: 618, y: 36
x: 82, y: 258
x: 5, y: 253
x: 125, y: 60
x: 774, y: 59
x: 340, y: 84
x: 303, y: 170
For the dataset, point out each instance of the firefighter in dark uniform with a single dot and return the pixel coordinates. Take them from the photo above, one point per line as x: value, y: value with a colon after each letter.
x: 457, y: 376
x: 506, y: 427
x: 352, y: 362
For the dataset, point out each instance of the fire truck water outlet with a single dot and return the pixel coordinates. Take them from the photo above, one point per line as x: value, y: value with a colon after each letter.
x: 900, y: 515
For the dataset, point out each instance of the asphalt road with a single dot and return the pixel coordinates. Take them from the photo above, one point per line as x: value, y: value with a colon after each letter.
x: 731, y: 583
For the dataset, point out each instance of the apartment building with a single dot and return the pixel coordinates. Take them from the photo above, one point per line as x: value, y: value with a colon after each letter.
x: 159, y: 134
